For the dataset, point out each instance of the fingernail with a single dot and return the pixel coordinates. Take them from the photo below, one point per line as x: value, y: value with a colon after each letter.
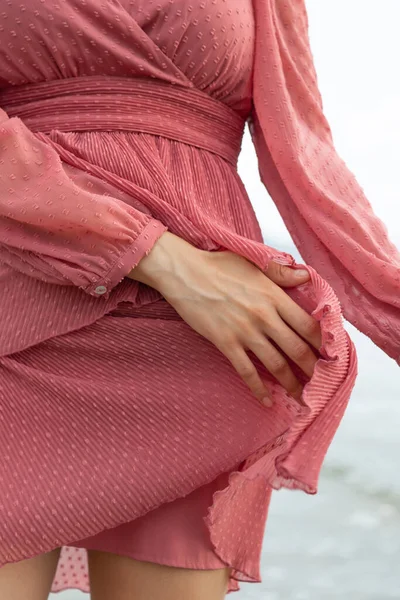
x: 267, y: 401
x: 300, y: 273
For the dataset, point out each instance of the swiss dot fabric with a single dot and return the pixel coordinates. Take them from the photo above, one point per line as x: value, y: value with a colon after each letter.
x: 110, y: 405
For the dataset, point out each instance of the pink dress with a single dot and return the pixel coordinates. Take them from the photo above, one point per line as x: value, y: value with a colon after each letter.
x: 121, y: 120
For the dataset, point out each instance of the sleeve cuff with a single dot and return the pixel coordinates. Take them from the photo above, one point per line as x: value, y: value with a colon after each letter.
x: 140, y: 247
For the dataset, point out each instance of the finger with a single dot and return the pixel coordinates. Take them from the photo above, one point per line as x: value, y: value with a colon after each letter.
x: 276, y: 364
x: 286, y: 276
x: 248, y: 372
x: 299, y: 320
x: 293, y: 345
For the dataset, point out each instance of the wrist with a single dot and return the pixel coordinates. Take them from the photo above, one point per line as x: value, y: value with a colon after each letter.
x: 164, y: 261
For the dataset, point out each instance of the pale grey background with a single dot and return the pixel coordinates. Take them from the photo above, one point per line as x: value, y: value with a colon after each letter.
x: 345, y: 542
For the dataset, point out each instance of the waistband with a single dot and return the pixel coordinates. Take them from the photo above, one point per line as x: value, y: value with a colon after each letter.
x: 107, y: 103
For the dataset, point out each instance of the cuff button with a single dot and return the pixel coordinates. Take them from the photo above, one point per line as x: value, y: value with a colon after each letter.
x: 101, y: 289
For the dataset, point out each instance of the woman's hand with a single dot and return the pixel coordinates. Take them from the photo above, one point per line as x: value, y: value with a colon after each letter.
x: 237, y: 307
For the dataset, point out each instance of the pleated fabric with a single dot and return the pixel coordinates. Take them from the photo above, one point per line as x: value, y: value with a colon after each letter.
x: 111, y: 406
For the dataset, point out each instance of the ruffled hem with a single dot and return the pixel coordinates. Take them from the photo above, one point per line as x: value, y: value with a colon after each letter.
x: 294, y: 460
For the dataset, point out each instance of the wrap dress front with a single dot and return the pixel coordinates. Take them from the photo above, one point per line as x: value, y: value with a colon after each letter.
x: 121, y: 120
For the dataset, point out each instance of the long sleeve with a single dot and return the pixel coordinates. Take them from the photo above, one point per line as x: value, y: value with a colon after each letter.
x: 324, y: 208
x: 55, y: 230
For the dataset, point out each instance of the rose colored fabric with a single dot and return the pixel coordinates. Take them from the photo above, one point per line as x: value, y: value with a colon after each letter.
x: 173, y: 534
x: 90, y: 177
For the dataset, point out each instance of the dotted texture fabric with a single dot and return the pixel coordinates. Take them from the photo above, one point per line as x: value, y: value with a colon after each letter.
x: 129, y: 410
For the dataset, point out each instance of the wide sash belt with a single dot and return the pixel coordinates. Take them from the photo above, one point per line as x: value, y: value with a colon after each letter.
x: 106, y: 103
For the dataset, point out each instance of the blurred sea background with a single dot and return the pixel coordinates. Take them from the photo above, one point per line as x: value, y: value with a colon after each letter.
x: 345, y: 541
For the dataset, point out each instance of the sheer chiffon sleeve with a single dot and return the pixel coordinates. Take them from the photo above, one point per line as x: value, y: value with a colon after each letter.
x: 57, y: 231
x: 323, y: 206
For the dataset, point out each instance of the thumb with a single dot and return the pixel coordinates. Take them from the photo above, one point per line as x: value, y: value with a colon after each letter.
x: 286, y: 276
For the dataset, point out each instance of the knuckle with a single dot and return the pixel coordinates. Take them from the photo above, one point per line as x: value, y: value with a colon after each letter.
x: 241, y: 325
x: 311, y: 327
x: 261, y: 313
x: 279, y: 270
x: 259, y: 343
x: 278, y: 366
x: 226, y: 342
x: 300, y: 351
x: 246, y: 371
x: 265, y: 315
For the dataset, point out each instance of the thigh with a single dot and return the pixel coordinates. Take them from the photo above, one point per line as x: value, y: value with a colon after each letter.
x: 117, y: 577
x: 30, y: 578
